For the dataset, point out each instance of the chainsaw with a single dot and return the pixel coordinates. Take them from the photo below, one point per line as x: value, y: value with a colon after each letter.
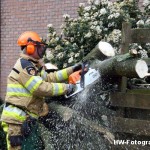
x: 81, y: 79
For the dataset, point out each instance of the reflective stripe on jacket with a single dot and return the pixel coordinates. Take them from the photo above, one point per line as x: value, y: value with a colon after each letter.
x: 27, y: 87
x: 15, y: 114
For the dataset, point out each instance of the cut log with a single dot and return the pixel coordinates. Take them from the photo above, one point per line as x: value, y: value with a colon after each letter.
x: 127, y: 65
x: 122, y: 65
x: 102, y: 51
x: 67, y: 113
x: 141, y: 68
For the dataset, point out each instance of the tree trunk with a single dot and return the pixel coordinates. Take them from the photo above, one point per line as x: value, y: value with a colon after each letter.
x: 127, y: 65
x: 122, y: 65
x: 101, y: 51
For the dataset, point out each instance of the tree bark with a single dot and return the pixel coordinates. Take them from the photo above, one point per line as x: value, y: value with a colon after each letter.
x: 122, y: 65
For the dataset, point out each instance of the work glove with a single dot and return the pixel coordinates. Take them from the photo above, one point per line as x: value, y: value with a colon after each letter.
x: 70, y: 89
x: 28, y: 125
x: 77, y: 67
x: 81, y: 66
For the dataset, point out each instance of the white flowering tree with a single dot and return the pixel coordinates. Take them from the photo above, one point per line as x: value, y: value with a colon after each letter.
x: 101, y: 20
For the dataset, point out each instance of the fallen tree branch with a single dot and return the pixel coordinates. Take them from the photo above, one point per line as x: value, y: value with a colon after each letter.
x: 101, y: 51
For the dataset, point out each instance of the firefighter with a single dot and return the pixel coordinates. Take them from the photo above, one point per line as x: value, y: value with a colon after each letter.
x: 27, y: 85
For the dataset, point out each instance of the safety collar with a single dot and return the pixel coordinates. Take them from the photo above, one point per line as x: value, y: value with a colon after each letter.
x: 29, y: 58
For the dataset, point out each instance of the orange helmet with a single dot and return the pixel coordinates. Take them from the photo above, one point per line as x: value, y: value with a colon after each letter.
x: 29, y: 39
x: 24, y: 37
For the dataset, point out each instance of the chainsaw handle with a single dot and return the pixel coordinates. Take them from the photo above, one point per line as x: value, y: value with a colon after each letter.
x: 83, y: 72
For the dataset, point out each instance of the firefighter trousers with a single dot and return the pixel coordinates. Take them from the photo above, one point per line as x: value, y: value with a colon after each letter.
x: 16, y: 141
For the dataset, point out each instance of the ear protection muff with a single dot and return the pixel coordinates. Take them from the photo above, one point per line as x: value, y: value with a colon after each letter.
x: 30, y: 48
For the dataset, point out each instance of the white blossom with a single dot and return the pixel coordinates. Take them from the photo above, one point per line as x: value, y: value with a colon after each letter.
x: 77, y: 54
x: 82, y: 47
x: 75, y: 19
x: 105, y: 29
x: 86, y: 15
x: 72, y: 23
x: 147, y: 44
x: 103, y: 11
x: 117, y: 32
x: 60, y: 55
x: 143, y: 53
x: 66, y: 16
x: 49, y: 35
x: 74, y: 45
x: 93, y: 7
x: 100, y: 23
x: 140, y: 22
x: 111, y: 16
x: 98, y: 29
x: 97, y: 2
x: 95, y: 23
x: 111, y: 24
x: 57, y: 38
x: 64, y: 65
x: 110, y: 4
x: 88, y: 35
x: 147, y: 22
x: 104, y: 2
x: 70, y: 60
x: 116, y: 15
x: 81, y: 4
x: 114, y: 36
x: 54, y: 33
x: 92, y: 27
x: 71, y: 39
x: 87, y: 8
x: 95, y: 14
x: 50, y: 25
x: 66, y: 43
x: 87, y: 18
x: 71, y: 54
x: 62, y: 26
x: 90, y: 1
x: 52, y: 40
x: 58, y: 47
x: 146, y: 2
x: 131, y: 1
x: 140, y: 47
x: 49, y: 55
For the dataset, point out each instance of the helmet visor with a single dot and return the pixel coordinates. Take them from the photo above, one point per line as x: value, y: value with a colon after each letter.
x: 41, y: 49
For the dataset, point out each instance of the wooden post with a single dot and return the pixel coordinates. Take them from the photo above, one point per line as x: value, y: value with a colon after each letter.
x: 126, y: 34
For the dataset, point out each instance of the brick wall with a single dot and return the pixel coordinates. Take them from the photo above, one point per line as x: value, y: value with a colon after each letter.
x: 18, y: 16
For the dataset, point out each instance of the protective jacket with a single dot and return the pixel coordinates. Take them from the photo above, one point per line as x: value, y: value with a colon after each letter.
x: 27, y: 85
